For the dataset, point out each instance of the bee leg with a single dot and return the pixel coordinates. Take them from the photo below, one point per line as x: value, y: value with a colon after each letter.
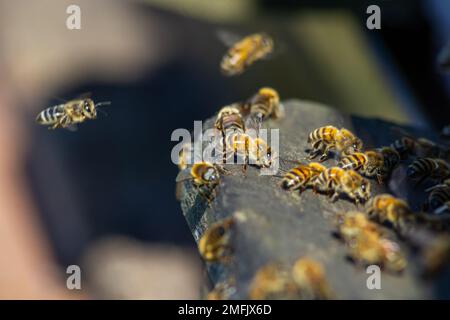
x: 323, y: 157
x: 334, y: 197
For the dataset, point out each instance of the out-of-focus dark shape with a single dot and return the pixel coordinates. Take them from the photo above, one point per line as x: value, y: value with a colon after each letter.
x: 122, y: 268
x: 444, y: 58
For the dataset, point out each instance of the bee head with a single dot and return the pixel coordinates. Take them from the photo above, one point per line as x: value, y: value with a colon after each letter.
x: 363, y: 192
x: 88, y: 109
x: 266, y: 41
x: 270, y: 93
x: 212, y: 175
x: 358, y: 144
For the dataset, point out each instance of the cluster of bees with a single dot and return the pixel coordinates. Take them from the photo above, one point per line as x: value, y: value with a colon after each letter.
x: 238, y: 125
x: 363, y: 232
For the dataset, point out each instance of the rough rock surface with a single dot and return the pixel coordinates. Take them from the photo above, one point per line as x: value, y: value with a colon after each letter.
x: 275, y: 225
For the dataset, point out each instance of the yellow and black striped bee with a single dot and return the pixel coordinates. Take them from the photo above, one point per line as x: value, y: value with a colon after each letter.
x: 409, y: 145
x: 310, y: 280
x: 350, y: 224
x: 439, y: 195
x: 229, y: 118
x: 386, y: 208
x: 336, y: 181
x: 68, y: 115
x: 272, y: 281
x: 229, y: 122
x: 302, y: 176
x: 223, y: 290
x: 325, y: 139
x: 205, y: 176
x: 245, y: 52
x: 421, y: 169
x: 368, y: 243
x: 215, y: 245
x: 373, y: 163
x: 264, y: 104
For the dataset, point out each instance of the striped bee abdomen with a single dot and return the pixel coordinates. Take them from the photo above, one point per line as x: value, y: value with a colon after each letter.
x: 354, y: 161
x: 439, y: 197
x: 324, y: 133
x: 421, y: 167
x: 50, y: 115
x: 296, y: 177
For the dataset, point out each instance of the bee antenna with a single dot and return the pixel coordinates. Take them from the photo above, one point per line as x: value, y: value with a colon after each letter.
x: 103, y: 103
x: 102, y: 111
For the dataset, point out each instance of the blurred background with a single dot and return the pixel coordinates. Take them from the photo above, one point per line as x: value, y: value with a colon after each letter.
x: 103, y: 197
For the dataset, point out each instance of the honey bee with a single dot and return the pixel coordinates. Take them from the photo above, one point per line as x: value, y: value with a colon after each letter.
x: 230, y: 118
x: 215, y: 244
x: 368, y: 248
x: 302, y: 176
x: 372, y: 163
x: 336, y: 181
x: 386, y: 208
x: 309, y: 277
x: 368, y: 243
x: 184, y: 157
x: 272, y: 281
x: 424, y: 168
x: 223, y: 290
x: 266, y: 103
x: 438, y: 196
x: 254, y: 151
x: 245, y: 52
x: 350, y: 224
x: 205, y: 177
x: 420, y: 147
x: 206, y: 174
x: 68, y: 115
x: 325, y: 139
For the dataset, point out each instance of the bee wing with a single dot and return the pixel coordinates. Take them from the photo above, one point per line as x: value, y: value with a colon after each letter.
x: 228, y: 38
x: 183, y: 175
x: 72, y: 128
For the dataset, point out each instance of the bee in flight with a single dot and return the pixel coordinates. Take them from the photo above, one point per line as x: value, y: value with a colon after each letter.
x: 68, y: 115
x: 325, y: 139
x: 373, y: 163
x: 245, y: 52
